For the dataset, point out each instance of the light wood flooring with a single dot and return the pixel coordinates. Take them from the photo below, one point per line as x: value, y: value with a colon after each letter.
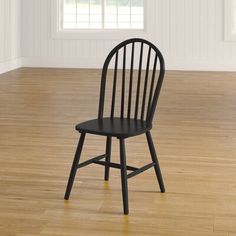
x: 194, y: 131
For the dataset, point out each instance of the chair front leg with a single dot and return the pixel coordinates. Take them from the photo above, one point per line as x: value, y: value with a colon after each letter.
x: 108, y: 158
x: 74, y: 166
x: 124, y: 177
x: 155, y: 160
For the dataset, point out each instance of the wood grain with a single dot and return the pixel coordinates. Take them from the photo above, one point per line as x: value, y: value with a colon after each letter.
x: 194, y: 131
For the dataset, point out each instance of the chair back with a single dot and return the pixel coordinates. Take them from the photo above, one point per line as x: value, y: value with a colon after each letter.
x: 137, y: 69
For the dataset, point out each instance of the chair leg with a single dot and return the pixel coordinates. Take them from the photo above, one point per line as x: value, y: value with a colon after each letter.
x: 74, y: 166
x: 124, y: 177
x: 108, y: 158
x: 155, y: 160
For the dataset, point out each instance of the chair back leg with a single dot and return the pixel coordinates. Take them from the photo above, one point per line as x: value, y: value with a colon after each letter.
x: 74, y: 166
x: 124, y: 177
x: 155, y: 160
x: 108, y: 158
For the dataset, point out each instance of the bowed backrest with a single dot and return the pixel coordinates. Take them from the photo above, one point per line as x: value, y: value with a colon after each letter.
x: 137, y: 70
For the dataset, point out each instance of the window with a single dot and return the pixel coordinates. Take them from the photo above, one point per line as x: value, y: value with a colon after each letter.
x: 103, y: 14
x: 103, y: 19
x: 230, y: 20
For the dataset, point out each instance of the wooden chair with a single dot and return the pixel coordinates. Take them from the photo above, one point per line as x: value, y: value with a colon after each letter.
x: 127, y: 124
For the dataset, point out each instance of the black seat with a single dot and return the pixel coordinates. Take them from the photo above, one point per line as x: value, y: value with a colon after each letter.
x: 115, y: 127
x: 139, y: 90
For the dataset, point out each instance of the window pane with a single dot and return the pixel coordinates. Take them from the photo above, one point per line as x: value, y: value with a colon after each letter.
x: 138, y: 3
x: 124, y: 7
x: 137, y: 25
x: 135, y: 18
x: 110, y: 7
x: 95, y: 18
x: 95, y: 25
x: 111, y: 25
x: 82, y: 18
x: 124, y: 18
x: 82, y: 25
x: 82, y: 7
x: 69, y: 18
x: 69, y: 7
x: 111, y: 18
x: 95, y: 14
x: 123, y: 3
x: 95, y: 7
x: 122, y: 25
x: 69, y: 25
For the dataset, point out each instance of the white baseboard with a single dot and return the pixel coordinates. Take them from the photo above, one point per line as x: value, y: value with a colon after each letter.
x: 48, y: 62
x: 201, y: 65
x: 182, y: 65
x: 10, y: 65
x: 54, y: 62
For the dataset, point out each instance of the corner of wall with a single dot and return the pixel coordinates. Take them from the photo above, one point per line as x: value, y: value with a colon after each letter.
x: 10, y: 65
x: 11, y: 36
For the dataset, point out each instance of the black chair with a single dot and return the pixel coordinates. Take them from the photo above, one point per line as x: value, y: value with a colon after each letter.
x: 142, y: 105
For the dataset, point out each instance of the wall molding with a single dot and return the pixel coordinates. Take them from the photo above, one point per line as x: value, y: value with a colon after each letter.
x: 87, y: 63
x: 10, y: 65
x: 97, y: 63
x: 55, y: 62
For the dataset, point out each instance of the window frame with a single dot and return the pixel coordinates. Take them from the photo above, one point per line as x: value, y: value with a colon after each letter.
x: 230, y: 35
x: 59, y: 33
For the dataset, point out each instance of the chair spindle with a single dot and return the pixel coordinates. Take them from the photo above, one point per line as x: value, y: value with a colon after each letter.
x: 139, y: 81
x: 131, y: 81
x: 123, y: 84
x: 114, y: 85
x: 152, y: 85
x: 145, y: 84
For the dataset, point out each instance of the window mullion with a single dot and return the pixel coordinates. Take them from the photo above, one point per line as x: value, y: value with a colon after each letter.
x: 89, y: 14
x: 61, y: 15
x: 117, y: 12
x: 130, y: 13
x: 103, y: 14
x: 76, y: 13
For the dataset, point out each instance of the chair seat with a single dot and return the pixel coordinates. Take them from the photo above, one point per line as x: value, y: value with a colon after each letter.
x: 115, y: 127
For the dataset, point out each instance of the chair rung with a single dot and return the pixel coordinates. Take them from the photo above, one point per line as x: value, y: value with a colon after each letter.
x: 140, y: 170
x: 88, y: 162
x: 115, y: 165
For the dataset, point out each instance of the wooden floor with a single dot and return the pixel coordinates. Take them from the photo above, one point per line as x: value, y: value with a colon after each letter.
x: 195, y: 132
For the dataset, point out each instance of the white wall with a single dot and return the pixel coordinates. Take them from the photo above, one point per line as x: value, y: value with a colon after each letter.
x: 10, y: 40
x: 188, y: 32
